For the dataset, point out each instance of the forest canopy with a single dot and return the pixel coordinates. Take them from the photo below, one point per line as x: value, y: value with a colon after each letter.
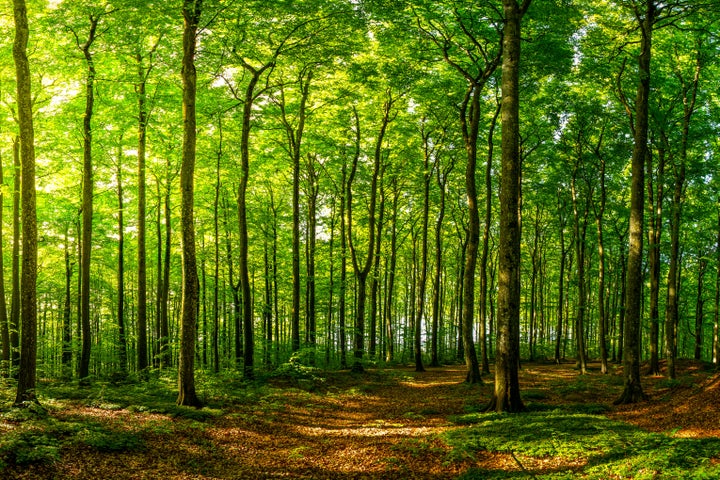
x: 344, y: 195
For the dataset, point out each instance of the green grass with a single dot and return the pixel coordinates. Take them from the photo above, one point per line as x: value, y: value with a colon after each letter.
x: 605, y: 448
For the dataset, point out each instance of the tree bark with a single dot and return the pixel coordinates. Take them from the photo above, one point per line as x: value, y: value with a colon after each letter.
x: 441, y: 175
x: 506, y: 396
x: 602, y: 315
x: 580, y: 233
x: 28, y: 350
x: 362, y: 270
x: 15, y: 294
x: 140, y: 90
x: 633, y: 391
x: 186, y: 367
x: 699, y: 309
x: 422, y: 280
x: 122, y: 343
x: 87, y: 202
x: 4, y: 325
x: 313, y: 190
x: 483, y: 300
x: 66, y: 359
x: 655, y: 203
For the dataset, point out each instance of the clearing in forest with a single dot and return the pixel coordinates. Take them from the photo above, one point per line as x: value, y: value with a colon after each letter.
x: 385, y: 424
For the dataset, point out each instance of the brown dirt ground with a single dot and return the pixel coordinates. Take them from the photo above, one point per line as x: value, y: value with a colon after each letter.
x: 372, y: 426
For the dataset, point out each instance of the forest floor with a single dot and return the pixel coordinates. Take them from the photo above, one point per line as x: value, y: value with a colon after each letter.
x: 390, y: 423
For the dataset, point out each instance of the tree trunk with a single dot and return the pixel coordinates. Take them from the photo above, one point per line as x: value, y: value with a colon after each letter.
x: 67, y: 311
x: 422, y: 281
x: 4, y: 325
x: 164, y: 340
x: 15, y: 294
x: 441, y: 176
x: 633, y: 391
x: 28, y: 349
x: 375, y: 283
x: 580, y: 233
x: 342, y: 340
x: 506, y: 396
x: 392, y: 265
x: 655, y: 203
x: 362, y: 270
x: 140, y: 90
x: 122, y: 343
x: 87, y: 202
x: 186, y: 366
x: 689, y: 96
x: 716, y: 320
x: 483, y: 300
x: 470, y: 128
x: 216, y: 228
x: 602, y: 315
x: 699, y: 304
x: 313, y: 190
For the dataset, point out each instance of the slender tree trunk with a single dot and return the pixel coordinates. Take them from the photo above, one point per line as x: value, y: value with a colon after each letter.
x: 67, y: 311
x: 186, y: 366
x: 375, y: 282
x: 362, y: 270
x: 216, y: 227
x: 4, y: 325
x: 390, y: 292
x: 15, y: 294
x: 689, y: 97
x: 164, y: 340
x: 506, y: 397
x: 313, y: 190
x: 441, y: 176
x: 716, y: 320
x: 28, y: 349
x: 633, y: 391
x: 580, y: 232
x: 470, y: 128
x: 602, y: 314
x: 343, y: 271
x: 422, y: 280
x: 248, y: 347
x: 483, y: 300
x: 122, y: 343
x: 140, y: 90
x: 533, y: 285
x: 699, y: 314
x: 87, y: 202
x: 655, y: 203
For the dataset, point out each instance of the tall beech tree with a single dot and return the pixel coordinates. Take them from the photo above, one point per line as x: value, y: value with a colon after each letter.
x: 192, y: 10
x: 87, y: 194
x: 28, y: 350
x: 362, y: 267
x: 4, y: 325
x: 506, y: 396
x: 645, y: 14
x: 473, y: 51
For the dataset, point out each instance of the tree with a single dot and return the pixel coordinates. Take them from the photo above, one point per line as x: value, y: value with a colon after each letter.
x: 87, y: 196
x: 4, y: 325
x: 506, y: 397
x: 480, y: 54
x: 28, y: 351
x: 645, y: 15
x: 192, y: 10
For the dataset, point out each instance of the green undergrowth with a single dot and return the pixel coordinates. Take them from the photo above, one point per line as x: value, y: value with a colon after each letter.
x: 582, y: 443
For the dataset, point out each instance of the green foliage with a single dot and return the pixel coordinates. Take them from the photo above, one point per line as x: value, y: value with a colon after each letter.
x: 297, y: 370
x: 609, y: 449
